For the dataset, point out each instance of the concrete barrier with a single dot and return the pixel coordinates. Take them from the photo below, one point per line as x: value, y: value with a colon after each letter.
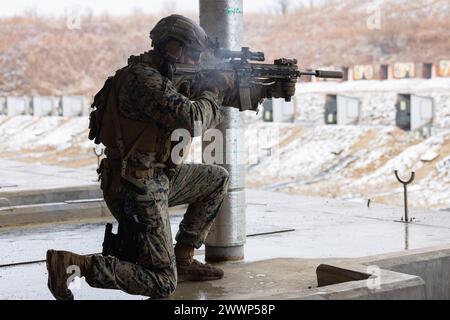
x: 422, y: 274
x: 53, y: 212
x: 44, y: 106
x: 17, y: 106
x: 66, y: 106
x: 49, y: 195
x: 418, y: 275
x: 73, y: 106
x: 433, y: 266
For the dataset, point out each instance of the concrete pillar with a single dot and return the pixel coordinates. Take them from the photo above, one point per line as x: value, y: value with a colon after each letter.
x: 223, y: 19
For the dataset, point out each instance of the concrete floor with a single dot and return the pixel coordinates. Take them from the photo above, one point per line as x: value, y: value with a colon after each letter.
x: 324, y: 230
x: 255, y: 280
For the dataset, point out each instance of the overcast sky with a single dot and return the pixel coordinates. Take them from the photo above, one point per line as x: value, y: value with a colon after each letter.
x: 121, y: 7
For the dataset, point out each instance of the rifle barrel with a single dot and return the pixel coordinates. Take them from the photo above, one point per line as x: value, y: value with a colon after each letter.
x: 329, y: 74
x: 323, y: 74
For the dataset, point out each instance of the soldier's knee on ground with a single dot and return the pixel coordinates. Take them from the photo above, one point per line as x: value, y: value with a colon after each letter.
x: 167, y: 285
x: 171, y: 288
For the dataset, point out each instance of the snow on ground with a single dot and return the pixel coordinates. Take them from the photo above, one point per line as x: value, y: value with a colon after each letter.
x: 351, y: 162
x: 48, y: 140
x: 357, y: 163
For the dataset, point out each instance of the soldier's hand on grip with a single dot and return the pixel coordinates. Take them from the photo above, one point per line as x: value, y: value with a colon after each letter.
x: 280, y: 89
x: 233, y: 98
x: 216, y: 82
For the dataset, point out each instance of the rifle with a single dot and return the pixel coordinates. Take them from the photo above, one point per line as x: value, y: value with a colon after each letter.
x: 246, y: 73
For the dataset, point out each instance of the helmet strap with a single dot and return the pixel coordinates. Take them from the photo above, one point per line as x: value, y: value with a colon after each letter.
x: 174, y: 49
x: 168, y: 69
x: 170, y: 51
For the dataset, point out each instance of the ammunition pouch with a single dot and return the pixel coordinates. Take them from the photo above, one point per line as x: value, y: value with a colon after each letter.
x: 109, y: 127
x: 109, y: 176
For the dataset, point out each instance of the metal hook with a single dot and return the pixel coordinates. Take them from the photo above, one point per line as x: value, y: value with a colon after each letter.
x: 413, y: 174
x: 98, y: 154
x: 405, y: 192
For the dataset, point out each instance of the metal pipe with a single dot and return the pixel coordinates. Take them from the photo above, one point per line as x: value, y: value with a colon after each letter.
x: 223, y: 20
x: 405, y: 192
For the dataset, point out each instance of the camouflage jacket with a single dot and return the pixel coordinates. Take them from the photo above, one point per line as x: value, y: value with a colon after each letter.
x: 148, y: 96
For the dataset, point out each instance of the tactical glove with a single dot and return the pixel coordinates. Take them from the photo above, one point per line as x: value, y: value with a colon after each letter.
x: 280, y: 89
x: 273, y: 89
x: 233, y: 98
x: 216, y: 82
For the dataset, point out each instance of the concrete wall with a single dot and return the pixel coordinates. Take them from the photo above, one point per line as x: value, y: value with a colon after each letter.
x: 433, y: 267
x: 422, y: 274
x: 435, y: 273
x: 66, y: 106
x: 51, y: 195
x: 387, y: 285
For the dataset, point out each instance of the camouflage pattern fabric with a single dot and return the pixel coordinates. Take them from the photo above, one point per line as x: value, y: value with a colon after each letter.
x: 201, y: 186
x: 148, y: 96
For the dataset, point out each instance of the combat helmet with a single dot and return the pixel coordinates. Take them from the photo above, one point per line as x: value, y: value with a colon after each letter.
x: 182, y: 29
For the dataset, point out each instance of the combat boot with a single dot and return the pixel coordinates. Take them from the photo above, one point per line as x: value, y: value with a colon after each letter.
x: 190, y: 269
x: 58, y: 263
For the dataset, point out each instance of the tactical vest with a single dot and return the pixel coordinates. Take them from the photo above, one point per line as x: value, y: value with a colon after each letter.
x: 109, y: 127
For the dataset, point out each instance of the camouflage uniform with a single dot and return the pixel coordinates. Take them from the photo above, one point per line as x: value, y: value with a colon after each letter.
x: 148, y: 96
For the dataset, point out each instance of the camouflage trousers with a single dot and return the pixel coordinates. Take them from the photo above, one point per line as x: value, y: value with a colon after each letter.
x: 203, y: 187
